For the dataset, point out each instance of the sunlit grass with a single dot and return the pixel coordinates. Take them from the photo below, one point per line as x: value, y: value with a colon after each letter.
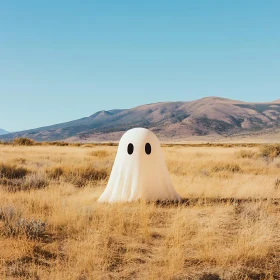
x: 51, y: 226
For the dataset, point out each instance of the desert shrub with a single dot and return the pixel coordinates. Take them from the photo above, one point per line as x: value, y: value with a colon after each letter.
x: 31, y: 181
x: 91, y: 145
x: 75, y: 144
x: 58, y: 143
x: 210, y: 276
x: 270, y: 151
x: 229, y: 167
x: 22, y: 141
x: 80, y: 176
x: 19, y: 270
x: 99, y: 153
x: 111, y: 144
x: 246, y: 154
x: 12, y: 171
x: 35, y: 181
x: 15, y: 225
x: 11, y: 185
x: 222, y: 145
x: 55, y: 172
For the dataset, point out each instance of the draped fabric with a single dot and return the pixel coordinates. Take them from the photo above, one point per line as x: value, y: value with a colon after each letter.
x: 139, y: 170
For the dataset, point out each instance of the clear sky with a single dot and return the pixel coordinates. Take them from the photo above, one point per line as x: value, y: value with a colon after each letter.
x: 63, y: 60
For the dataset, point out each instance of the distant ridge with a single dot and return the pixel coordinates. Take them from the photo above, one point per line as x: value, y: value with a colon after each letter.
x: 169, y: 120
x: 2, y: 131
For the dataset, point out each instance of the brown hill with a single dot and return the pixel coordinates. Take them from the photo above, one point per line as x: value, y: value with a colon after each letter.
x: 170, y: 120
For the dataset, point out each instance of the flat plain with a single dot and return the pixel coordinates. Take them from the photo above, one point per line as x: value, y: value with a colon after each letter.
x: 227, y: 227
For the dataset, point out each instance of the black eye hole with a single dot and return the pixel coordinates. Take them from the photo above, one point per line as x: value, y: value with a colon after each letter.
x: 148, y: 148
x: 130, y: 149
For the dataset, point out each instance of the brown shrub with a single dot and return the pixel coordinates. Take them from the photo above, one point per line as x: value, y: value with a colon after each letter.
x: 55, y: 172
x: 270, y: 151
x: 58, y: 143
x: 80, y: 176
x: 32, y: 181
x: 75, y: 144
x: 22, y: 141
x: 12, y: 171
x: 91, y: 145
x: 15, y: 225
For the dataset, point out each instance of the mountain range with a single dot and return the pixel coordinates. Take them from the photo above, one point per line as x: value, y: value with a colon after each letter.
x: 2, y: 131
x: 213, y: 116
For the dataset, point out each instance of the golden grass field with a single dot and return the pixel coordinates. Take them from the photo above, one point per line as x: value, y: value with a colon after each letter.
x: 51, y: 226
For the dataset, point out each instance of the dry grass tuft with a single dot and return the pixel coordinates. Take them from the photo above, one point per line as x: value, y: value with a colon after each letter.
x: 35, y: 181
x: 228, y: 167
x: 55, y: 172
x: 99, y: 153
x: 247, y: 154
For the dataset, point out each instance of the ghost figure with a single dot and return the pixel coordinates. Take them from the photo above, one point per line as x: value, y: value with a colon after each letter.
x: 139, y: 170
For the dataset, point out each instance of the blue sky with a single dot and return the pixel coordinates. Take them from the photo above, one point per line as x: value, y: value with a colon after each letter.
x: 63, y: 60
